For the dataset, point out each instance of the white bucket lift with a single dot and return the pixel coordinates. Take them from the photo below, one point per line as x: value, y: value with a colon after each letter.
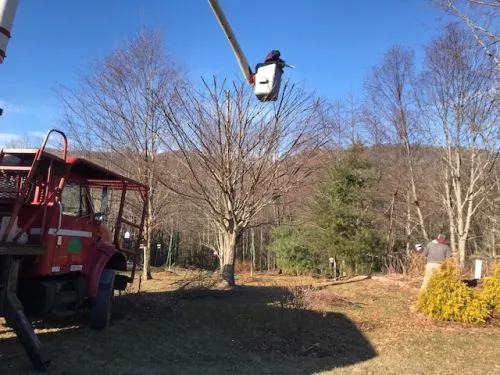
x: 267, y: 78
x: 267, y: 81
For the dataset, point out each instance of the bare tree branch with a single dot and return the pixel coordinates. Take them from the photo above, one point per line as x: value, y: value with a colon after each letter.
x: 240, y: 155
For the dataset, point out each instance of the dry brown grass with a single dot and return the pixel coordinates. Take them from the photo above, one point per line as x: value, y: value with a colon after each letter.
x: 416, y: 265
x: 242, y: 267
x: 179, y: 323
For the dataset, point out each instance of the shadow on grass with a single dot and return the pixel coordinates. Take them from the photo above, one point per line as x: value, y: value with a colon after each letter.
x: 246, y: 330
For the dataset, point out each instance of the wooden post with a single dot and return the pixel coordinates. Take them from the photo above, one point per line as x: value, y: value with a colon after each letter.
x: 252, y: 250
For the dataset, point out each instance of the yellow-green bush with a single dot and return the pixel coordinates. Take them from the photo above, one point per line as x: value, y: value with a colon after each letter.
x: 490, y: 292
x: 447, y: 298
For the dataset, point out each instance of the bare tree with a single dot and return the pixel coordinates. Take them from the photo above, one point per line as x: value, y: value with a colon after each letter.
x: 240, y: 156
x: 492, y: 227
x: 486, y: 225
x: 481, y: 17
x: 113, y: 110
x: 24, y: 141
x: 390, y: 88
x: 461, y: 103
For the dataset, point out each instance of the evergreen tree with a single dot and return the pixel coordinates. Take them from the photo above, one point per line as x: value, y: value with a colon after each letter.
x: 293, y: 255
x: 340, y: 224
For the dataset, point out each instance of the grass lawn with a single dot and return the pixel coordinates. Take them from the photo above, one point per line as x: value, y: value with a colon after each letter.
x: 268, y: 325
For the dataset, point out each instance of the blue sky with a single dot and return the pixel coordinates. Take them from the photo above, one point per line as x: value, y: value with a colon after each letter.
x: 333, y: 43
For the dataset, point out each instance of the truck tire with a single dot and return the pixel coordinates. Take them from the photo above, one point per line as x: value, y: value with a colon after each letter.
x: 100, y: 313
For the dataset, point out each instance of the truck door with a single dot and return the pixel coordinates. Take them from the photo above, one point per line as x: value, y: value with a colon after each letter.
x: 76, y: 239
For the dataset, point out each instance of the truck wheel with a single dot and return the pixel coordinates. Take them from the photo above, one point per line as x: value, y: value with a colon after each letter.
x: 100, y: 313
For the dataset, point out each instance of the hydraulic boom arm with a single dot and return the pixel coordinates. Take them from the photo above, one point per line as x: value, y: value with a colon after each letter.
x: 7, y: 14
x: 240, y: 56
x: 266, y: 79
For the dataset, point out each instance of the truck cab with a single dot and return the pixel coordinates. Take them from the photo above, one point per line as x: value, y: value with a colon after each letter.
x: 61, y: 235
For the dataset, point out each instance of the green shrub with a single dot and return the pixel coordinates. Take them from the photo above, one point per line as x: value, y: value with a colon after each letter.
x: 490, y: 292
x: 293, y: 256
x: 448, y: 298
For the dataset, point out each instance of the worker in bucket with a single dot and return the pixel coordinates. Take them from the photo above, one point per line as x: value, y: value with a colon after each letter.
x: 435, y: 253
x: 273, y: 57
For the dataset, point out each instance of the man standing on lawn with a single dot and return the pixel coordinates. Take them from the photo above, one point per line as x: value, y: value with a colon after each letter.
x: 435, y: 253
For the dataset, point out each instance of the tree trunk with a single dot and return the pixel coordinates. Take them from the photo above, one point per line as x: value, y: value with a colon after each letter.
x: 243, y: 246
x: 453, y: 239
x: 408, y: 222
x: 417, y: 206
x: 414, y: 189
x: 252, y: 250
x: 260, y: 249
x: 449, y: 209
x: 493, y: 241
x: 146, y: 268
x: 391, y: 221
x: 268, y: 259
x: 168, y: 263
x: 462, y: 240
x: 227, y: 245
